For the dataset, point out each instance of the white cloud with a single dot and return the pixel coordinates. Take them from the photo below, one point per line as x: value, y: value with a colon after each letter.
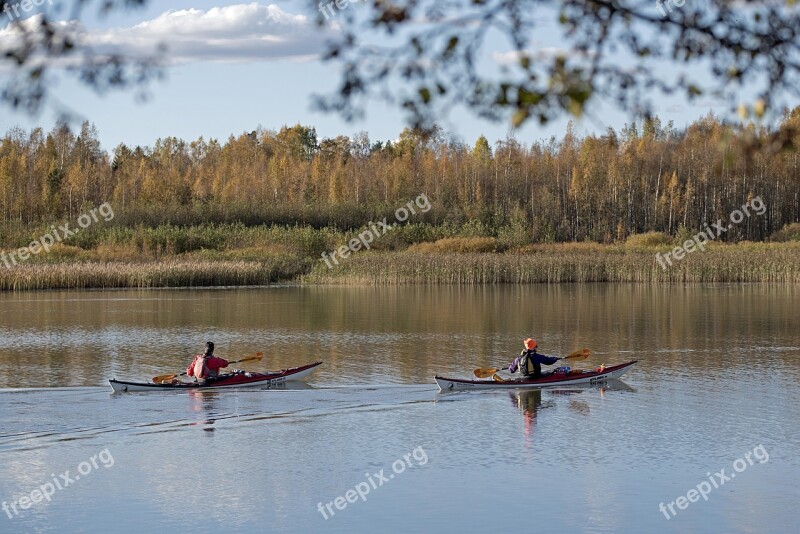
x: 237, y: 33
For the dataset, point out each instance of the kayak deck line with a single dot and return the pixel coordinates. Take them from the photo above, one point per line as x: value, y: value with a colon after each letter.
x: 272, y: 378
x: 549, y: 380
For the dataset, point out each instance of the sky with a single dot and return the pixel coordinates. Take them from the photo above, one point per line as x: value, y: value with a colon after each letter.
x: 235, y: 67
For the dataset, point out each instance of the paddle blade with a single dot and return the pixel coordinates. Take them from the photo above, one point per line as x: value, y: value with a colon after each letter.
x: 580, y: 354
x: 163, y: 378
x: 484, y: 372
x: 254, y: 358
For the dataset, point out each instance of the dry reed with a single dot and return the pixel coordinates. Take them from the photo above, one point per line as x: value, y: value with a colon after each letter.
x: 84, y: 275
x: 726, y: 263
x: 556, y: 263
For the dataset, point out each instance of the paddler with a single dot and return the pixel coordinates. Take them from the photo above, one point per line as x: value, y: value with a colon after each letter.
x: 529, y: 362
x: 206, y: 366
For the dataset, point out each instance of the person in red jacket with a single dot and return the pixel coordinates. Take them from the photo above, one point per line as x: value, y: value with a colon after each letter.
x: 206, y: 366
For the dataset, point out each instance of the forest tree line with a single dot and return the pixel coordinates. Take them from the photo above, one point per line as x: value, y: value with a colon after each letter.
x: 645, y: 177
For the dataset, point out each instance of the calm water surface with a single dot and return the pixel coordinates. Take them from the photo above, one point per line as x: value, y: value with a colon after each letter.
x: 716, y: 381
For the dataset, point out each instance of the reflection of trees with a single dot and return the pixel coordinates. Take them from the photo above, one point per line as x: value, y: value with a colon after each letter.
x: 408, y: 334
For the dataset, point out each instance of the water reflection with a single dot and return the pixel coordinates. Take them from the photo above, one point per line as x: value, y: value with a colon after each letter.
x: 84, y: 338
x: 528, y: 403
x: 203, y: 403
x: 532, y: 401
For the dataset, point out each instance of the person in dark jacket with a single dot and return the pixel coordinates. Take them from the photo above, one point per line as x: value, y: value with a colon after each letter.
x: 529, y: 362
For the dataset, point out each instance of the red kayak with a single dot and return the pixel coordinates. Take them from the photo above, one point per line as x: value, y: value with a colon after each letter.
x: 548, y: 380
x: 238, y: 380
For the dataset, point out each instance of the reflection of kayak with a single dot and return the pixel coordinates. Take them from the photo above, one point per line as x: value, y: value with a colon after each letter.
x: 267, y: 380
x: 288, y: 385
x: 548, y: 380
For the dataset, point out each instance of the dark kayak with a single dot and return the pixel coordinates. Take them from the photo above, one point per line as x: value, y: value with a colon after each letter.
x: 238, y: 380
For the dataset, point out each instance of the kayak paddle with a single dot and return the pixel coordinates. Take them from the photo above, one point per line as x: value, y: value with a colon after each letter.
x: 168, y: 378
x: 580, y: 354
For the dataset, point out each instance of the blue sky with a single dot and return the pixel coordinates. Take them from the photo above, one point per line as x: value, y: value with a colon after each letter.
x: 222, y: 84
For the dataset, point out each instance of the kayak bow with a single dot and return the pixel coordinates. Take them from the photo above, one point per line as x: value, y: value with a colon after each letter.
x: 548, y: 380
x: 270, y: 379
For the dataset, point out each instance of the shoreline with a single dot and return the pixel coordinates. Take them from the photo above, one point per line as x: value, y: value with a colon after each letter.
x: 771, y: 263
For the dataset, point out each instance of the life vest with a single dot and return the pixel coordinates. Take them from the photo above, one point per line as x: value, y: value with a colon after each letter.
x: 200, y: 368
x: 525, y: 363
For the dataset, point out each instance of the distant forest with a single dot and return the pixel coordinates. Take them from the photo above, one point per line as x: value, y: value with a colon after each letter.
x: 603, y: 188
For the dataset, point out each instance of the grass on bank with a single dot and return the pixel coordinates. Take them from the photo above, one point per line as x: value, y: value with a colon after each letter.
x: 574, y: 262
x: 235, y: 255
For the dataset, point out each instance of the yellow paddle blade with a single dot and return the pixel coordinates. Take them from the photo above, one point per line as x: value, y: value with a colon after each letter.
x: 484, y: 372
x: 253, y: 358
x: 497, y: 378
x: 581, y: 354
x: 163, y: 378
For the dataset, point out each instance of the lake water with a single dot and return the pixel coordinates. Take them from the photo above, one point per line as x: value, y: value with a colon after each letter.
x: 712, y: 407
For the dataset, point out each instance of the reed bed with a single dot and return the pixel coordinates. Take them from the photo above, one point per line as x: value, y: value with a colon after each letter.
x: 729, y: 263
x: 458, y: 244
x: 173, y: 273
x: 541, y: 263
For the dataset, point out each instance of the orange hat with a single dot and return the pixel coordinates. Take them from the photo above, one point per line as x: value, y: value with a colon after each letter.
x: 530, y: 344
